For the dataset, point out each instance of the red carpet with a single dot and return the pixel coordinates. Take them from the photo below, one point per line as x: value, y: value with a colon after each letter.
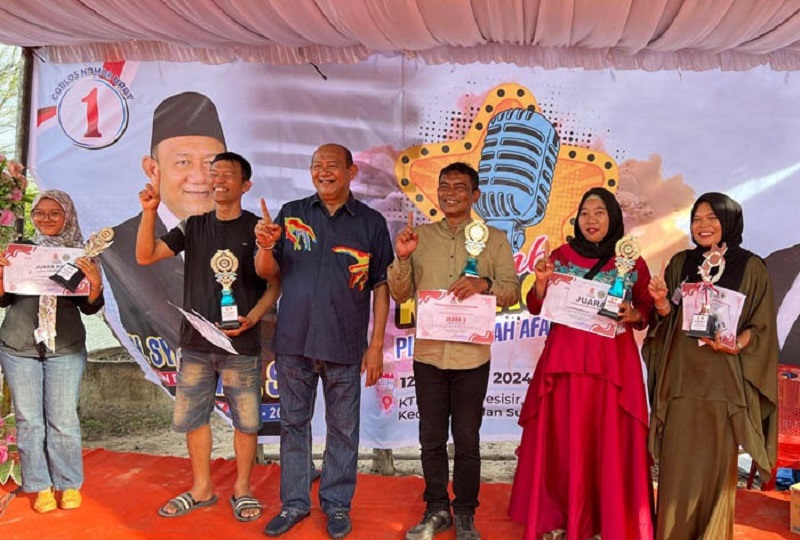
x: 123, y: 491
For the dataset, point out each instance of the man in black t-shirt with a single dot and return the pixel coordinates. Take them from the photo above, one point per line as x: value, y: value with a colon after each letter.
x: 224, y: 234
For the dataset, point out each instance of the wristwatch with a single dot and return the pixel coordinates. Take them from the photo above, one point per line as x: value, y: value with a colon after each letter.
x: 489, y: 281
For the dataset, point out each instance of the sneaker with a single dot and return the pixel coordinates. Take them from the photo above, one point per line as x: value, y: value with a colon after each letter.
x: 432, y: 524
x: 45, y: 501
x: 339, y: 525
x: 284, y: 521
x: 71, y: 499
x: 465, y: 527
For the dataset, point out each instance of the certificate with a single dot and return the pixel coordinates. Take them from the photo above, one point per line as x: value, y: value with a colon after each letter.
x: 441, y: 316
x: 724, y: 303
x: 576, y: 302
x: 30, y: 268
x: 207, y: 329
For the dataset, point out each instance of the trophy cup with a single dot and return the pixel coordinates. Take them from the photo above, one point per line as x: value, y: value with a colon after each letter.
x: 224, y: 264
x: 628, y: 251
x: 477, y: 234
x: 70, y: 276
x: 704, y: 323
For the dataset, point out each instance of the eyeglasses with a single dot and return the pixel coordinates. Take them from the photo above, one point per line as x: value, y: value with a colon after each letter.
x: 52, y: 214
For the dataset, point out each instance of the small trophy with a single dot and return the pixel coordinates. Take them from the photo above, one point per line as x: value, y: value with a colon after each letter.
x: 477, y: 234
x: 70, y: 276
x: 224, y: 264
x: 704, y: 323
x: 628, y: 251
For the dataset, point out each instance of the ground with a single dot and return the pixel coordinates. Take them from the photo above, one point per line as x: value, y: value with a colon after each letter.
x: 153, y: 436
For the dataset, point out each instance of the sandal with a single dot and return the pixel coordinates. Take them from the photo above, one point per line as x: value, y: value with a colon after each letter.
x: 245, y: 502
x: 45, y: 501
x: 184, y: 503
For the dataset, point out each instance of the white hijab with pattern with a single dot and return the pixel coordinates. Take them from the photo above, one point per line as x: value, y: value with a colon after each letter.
x: 70, y: 236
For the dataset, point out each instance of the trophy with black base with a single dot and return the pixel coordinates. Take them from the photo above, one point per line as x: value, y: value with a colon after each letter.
x: 627, y: 250
x: 70, y: 276
x: 704, y: 323
x: 224, y: 264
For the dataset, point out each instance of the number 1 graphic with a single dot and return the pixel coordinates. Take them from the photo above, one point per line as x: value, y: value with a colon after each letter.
x: 92, y: 114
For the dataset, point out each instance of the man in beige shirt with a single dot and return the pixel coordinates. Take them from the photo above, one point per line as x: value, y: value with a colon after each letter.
x: 451, y: 377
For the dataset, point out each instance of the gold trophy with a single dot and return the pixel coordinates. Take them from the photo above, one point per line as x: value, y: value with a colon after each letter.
x: 224, y: 264
x: 477, y: 234
x: 704, y: 323
x: 627, y: 250
x: 70, y: 276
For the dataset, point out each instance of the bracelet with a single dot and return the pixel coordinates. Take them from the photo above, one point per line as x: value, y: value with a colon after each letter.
x: 267, y: 247
x: 489, y: 283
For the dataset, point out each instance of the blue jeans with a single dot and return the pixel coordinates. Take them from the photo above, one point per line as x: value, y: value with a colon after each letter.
x: 45, y: 395
x: 195, y: 395
x: 341, y: 386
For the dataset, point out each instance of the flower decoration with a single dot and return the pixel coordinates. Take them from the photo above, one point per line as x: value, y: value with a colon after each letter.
x: 9, y: 454
x: 12, y: 199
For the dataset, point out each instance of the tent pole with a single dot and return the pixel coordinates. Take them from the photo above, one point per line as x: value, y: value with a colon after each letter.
x: 24, y: 102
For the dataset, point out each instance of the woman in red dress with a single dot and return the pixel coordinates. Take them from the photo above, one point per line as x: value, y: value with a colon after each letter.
x: 583, y: 468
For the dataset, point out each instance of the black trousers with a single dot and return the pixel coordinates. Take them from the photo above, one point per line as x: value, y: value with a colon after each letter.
x: 442, y: 395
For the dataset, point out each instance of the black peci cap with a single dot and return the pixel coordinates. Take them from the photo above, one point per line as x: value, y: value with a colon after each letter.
x: 186, y: 114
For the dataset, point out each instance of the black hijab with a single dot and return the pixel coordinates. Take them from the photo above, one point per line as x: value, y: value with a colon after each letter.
x: 731, y: 219
x: 605, y: 249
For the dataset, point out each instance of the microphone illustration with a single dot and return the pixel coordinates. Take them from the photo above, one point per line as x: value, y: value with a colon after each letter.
x: 516, y: 172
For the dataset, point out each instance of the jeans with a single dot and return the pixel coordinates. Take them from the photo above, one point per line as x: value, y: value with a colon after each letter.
x: 443, y: 394
x: 341, y: 386
x: 195, y: 395
x: 45, y: 395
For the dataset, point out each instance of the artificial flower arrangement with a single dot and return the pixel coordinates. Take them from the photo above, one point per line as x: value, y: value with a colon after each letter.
x: 12, y: 199
x: 9, y: 454
x: 13, y: 185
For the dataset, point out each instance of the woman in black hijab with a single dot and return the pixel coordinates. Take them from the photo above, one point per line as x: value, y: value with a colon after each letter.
x: 717, y: 396
x: 583, y: 468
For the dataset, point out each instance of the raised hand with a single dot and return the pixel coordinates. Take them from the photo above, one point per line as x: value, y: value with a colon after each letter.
x: 406, y: 242
x: 149, y: 197
x: 543, y: 269
x: 267, y: 232
x: 658, y: 287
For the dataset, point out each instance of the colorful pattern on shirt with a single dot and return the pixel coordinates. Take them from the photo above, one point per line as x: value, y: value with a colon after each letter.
x: 299, y: 234
x: 359, y: 271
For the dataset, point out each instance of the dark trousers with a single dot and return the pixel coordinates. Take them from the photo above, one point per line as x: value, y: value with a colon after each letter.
x: 443, y: 394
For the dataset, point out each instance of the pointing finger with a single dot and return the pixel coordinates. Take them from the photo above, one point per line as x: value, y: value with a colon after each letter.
x: 265, y: 211
x: 547, y: 248
x: 410, y: 219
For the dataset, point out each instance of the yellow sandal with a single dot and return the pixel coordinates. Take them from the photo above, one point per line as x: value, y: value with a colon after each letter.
x: 45, y: 501
x: 71, y: 499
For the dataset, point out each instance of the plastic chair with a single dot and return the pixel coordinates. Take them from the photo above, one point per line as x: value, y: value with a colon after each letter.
x: 788, y: 424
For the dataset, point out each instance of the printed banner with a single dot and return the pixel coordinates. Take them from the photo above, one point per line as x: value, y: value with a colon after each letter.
x: 539, y: 139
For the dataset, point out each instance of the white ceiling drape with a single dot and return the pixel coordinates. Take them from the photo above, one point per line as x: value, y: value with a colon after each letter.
x: 591, y: 34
